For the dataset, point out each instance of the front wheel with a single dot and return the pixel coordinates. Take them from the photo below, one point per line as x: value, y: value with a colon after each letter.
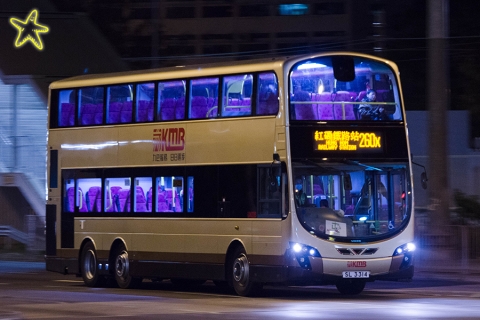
x: 350, y: 287
x: 122, y: 270
x: 240, y: 276
x: 88, y: 266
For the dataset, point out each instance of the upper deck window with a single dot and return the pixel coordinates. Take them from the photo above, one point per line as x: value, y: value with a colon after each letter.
x: 343, y: 88
x: 171, y: 100
x: 267, y: 94
x: 222, y: 96
x: 90, y: 110
x: 119, y: 104
x: 237, y: 92
x: 145, y: 99
x: 66, y: 107
x: 203, y: 98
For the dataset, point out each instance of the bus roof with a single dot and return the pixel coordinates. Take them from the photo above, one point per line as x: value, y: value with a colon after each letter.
x: 169, y: 73
x: 191, y: 71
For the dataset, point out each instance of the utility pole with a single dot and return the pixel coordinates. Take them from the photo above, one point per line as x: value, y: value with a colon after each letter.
x: 438, y: 101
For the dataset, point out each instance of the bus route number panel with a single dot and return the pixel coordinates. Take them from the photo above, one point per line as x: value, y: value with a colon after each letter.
x: 347, y: 141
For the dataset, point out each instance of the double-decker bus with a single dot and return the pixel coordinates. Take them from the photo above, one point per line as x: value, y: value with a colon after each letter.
x: 276, y: 171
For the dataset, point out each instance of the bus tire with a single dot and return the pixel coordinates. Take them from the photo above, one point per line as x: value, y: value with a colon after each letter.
x: 122, y: 269
x: 88, y: 266
x: 350, y: 286
x: 240, y: 274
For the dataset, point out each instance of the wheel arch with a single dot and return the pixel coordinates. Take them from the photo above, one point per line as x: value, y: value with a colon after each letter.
x: 234, y: 244
x: 82, y: 245
x: 118, y: 242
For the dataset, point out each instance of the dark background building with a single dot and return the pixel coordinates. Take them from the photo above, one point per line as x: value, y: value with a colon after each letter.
x: 91, y: 36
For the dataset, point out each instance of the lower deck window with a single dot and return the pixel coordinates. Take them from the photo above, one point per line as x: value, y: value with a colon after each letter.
x: 228, y: 191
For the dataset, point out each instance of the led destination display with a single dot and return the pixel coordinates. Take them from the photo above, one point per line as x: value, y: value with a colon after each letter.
x: 345, y: 140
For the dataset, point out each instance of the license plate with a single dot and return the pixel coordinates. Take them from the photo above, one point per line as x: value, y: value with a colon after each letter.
x: 356, y: 274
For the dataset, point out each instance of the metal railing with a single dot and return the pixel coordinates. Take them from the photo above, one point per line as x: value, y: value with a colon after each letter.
x: 33, y: 239
x: 449, y: 248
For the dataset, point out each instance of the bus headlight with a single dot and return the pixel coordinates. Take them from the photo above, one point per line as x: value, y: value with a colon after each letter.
x: 403, y: 249
x: 302, y: 253
x: 407, y: 251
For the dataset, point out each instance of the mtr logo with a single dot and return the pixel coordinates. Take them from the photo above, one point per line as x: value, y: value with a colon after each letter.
x: 169, y: 139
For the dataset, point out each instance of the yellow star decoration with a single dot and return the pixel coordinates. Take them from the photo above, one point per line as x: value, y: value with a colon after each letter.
x: 29, y: 30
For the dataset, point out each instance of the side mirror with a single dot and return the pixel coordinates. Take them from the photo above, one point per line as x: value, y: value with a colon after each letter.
x: 423, y: 176
x: 424, y: 179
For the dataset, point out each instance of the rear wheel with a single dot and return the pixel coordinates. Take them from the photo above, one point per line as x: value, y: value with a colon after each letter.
x: 122, y: 270
x: 88, y: 266
x: 350, y: 286
x: 240, y: 275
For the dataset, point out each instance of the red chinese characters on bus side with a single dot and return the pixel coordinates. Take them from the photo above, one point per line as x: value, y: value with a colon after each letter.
x: 168, y: 139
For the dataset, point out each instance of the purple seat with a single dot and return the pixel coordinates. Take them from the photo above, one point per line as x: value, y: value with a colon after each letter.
x: 349, y: 112
x: 233, y: 102
x: 123, y: 200
x: 98, y: 114
x: 162, y: 203
x: 141, y: 203
x: 87, y: 114
x: 82, y: 206
x: 246, y: 102
x: 140, y: 200
x: 94, y: 200
x: 67, y: 115
x: 111, y: 199
x: 212, y: 112
x: 303, y: 111
x: 346, y: 96
x: 167, y: 109
x: 149, y: 200
x: 171, y: 198
x: 178, y: 205
x: 325, y: 107
x: 180, y: 109
x: 144, y: 111
x: 126, y: 113
x: 325, y: 112
x: 199, y: 108
x: 70, y: 200
x: 212, y: 108
x: 150, y: 115
x: 267, y: 104
x: 237, y: 107
x: 114, y: 109
x: 317, y: 189
x: 211, y: 102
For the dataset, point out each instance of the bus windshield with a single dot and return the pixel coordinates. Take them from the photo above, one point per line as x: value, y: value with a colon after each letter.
x: 352, y: 201
x: 343, y: 88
